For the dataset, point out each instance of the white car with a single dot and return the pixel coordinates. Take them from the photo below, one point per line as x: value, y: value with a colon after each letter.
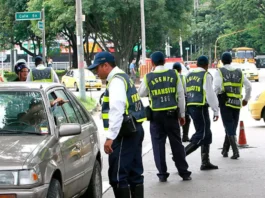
x: 184, y: 71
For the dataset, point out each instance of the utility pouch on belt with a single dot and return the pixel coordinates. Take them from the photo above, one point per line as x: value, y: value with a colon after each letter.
x: 128, y: 127
x: 148, y: 113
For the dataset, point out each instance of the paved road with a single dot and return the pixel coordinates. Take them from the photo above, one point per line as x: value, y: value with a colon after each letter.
x: 235, y: 178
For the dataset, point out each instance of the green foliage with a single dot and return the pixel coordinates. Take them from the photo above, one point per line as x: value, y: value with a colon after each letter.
x: 10, y: 76
x: 89, y: 103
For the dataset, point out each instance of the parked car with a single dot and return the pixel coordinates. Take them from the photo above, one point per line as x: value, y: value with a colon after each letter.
x: 71, y: 80
x: 257, y: 107
x: 47, y: 150
x: 184, y: 71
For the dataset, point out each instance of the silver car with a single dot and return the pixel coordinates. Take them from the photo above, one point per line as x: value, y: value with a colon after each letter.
x: 47, y: 150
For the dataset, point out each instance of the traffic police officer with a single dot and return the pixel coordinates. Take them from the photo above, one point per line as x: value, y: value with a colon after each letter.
x: 228, y: 83
x: 186, y: 126
x: 200, y: 93
x: 21, y: 70
x: 121, y: 100
x: 42, y: 73
x: 166, y: 94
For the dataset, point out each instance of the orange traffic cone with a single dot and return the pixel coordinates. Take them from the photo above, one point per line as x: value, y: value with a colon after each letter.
x: 242, y: 142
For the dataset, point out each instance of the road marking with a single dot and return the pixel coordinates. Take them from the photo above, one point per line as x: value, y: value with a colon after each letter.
x: 145, y: 150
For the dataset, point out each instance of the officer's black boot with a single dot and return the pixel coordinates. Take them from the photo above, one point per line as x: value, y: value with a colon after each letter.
x: 137, y: 191
x: 122, y: 192
x: 190, y: 148
x: 185, y: 137
x: 206, y: 164
x: 233, y: 144
x: 226, y: 147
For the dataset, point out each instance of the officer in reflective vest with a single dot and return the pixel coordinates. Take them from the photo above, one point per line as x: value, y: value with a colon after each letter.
x: 200, y: 94
x: 122, y: 110
x: 167, y: 102
x: 186, y: 126
x: 42, y: 73
x: 228, y: 83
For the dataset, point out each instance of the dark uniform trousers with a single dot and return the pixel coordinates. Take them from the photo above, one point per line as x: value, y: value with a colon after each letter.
x: 230, y: 117
x: 125, y: 163
x: 161, y: 127
x: 202, y: 124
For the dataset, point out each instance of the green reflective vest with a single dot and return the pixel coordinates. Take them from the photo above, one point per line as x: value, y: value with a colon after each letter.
x: 41, y: 74
x: 162, y: 86
x: 232, y: 83
x: 196, y: 95
x: 134, y: 105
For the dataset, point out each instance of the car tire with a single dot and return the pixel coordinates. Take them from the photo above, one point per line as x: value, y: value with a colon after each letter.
x: 94, y: 189
x: 76, y: 87
x: 256, y: 80
x: 55, y: 189
x: 98, y: 89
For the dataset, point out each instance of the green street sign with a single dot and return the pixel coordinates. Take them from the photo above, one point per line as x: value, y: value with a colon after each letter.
x: 40, y: 25
x: 23, y: 16
x: 187, y: 48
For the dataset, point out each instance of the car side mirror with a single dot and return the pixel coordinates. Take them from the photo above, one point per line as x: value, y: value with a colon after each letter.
x: 69, y: 130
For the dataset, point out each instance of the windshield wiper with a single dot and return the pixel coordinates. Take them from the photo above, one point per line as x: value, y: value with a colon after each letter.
x: 6, y: 131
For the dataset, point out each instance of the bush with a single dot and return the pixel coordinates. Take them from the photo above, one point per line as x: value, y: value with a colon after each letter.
x: 10, y: 76
x: 60, y: 72
x: 89, y: 103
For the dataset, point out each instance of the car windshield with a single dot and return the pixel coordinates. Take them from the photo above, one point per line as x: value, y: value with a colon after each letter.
x: 22, y: 112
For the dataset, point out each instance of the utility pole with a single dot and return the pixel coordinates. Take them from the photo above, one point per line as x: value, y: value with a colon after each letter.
x: 143, y: 33
x: 80, y: 49
x: 43, y: 37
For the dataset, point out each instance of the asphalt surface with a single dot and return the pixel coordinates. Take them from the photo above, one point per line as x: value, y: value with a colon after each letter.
x: 234, y: 178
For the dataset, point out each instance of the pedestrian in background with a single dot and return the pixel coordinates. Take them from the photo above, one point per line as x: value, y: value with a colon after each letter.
x: 228, y: 83
x: 200, y: 95
x: 1, y: 79
x: 133, y: 70
x: 42, y: 73
x: 22, y: 70
x: 123, y: 114
x: 185, y: 128
x: 167, y: 102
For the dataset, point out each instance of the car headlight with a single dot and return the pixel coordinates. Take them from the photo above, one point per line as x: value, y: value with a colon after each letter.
x: 17, y: 178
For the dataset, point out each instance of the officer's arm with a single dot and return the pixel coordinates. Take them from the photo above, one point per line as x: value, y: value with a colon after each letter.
x: 55, y: 77
x: 248, y: 88
x: 117, y: 103
x: 143, y: 90
x: 211, y: 96
x: 181, y: 98
x: 217, y: 82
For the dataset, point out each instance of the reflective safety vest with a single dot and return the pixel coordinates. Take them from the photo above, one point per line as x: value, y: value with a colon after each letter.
x: 134, y: 105
x: 232, y: 83
x: 196, y: 95
x: 162, y: 87
x: 41, y: 74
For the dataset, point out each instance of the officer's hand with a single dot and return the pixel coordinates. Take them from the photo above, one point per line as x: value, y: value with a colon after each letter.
x: 244, y: 103
x: 107, y: 146
x: 182, y: 121
x: 215, y: 118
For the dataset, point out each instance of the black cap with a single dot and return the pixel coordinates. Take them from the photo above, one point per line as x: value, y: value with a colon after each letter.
x: 226, y: 58
x: 100, y: 58
x: 177, y: 66
x: 202, y: 61
x: 157, y: 57
x: 38, y: 58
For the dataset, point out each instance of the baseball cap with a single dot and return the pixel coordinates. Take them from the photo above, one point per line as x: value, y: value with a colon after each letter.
x: 226, y: 58
x: 202, y: 61
x: 177, y: 66
x: 157, y: 57
x: 38, y: 58
x: 100, y: 58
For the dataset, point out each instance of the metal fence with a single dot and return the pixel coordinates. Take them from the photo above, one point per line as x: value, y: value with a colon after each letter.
x: 55, y: 66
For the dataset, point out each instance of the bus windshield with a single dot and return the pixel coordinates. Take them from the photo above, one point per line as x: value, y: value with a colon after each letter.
x: 244, y: 54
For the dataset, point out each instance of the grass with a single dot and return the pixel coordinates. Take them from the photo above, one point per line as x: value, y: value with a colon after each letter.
x: 89, y: 103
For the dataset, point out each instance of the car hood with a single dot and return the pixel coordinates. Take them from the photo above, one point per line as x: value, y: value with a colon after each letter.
x: 14, y: 150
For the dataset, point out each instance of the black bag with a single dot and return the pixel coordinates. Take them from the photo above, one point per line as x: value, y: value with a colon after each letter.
x: 128, y: 127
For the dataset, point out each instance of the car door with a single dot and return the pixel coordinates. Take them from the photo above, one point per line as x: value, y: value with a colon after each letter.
x: 89, y: 139
x: 71, y: 147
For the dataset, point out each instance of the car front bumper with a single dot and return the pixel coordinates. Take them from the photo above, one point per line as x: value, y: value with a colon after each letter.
x: 37, y: 192
x: 255, y: 109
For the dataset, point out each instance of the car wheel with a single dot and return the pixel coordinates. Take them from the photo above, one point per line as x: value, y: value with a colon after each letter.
x: 55, y: 190
x: 95, y: 186
x: 76, y: 87
x: 98, y: 89
x: 257, y: 80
